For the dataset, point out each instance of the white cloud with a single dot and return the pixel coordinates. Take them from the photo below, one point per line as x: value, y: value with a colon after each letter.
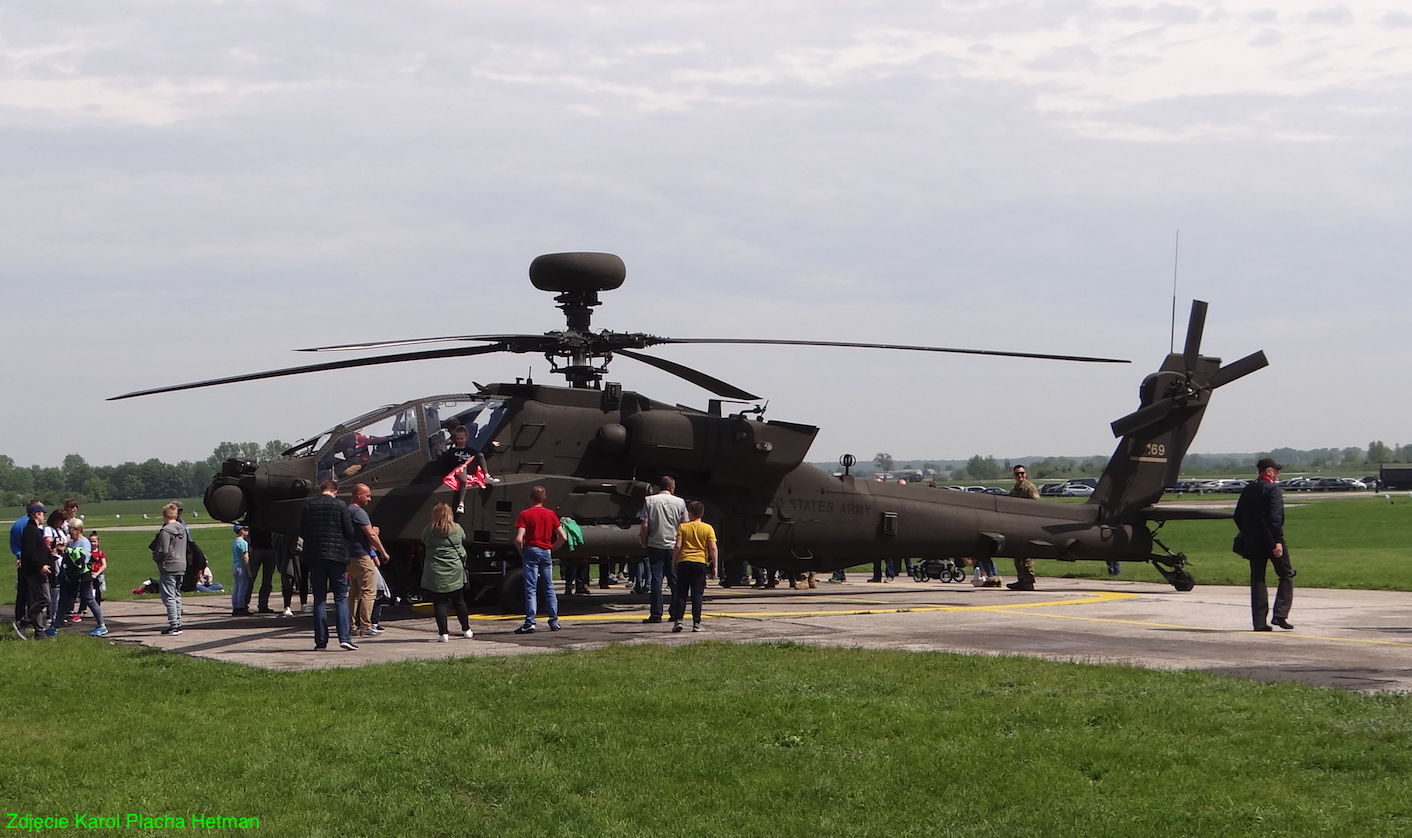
x: 1088, y: 59
x: 220, y: 182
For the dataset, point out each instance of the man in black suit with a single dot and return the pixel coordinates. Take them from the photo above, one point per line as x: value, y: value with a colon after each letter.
x: 1260, y: 514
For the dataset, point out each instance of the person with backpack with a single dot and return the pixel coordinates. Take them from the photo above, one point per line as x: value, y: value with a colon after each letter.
x: 36, y: 569
x: 56, y: 535
x: 79, y: 574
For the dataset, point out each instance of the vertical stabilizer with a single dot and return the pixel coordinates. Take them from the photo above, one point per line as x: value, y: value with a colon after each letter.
x: 1155, y: 437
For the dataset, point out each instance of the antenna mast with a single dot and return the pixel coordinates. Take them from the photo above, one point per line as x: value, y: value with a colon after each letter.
x: 1176, y: 251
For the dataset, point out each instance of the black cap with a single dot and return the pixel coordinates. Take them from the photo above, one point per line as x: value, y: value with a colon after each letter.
x: 1266, y: 462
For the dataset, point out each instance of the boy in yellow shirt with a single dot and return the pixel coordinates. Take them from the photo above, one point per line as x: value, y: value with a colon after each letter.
x: 694, y: 554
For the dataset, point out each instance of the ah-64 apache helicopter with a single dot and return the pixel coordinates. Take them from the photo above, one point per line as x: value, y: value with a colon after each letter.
x: 597, y: 449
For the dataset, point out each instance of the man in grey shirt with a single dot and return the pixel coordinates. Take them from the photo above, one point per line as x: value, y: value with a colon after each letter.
x: 661, y: 514
x: 362, y: 567
x: 169, y: 552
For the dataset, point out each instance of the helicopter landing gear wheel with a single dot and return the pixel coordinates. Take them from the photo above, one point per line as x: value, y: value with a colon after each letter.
x: 1173, y: 569
x: 511, y: 593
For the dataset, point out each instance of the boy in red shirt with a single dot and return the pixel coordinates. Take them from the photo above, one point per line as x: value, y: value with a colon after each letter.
x: 537, y: 534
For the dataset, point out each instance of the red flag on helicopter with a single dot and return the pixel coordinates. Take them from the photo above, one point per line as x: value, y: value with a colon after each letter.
x: 476, y: 478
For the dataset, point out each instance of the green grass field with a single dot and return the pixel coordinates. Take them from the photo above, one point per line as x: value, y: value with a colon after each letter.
x: 770, y: 740
x: 705, y: 739
x: 1335, y: 542
x: 124, y: 513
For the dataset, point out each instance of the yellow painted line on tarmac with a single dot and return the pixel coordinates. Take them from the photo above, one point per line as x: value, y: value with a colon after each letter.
x: 882, y: 608
x: 1086, y: 599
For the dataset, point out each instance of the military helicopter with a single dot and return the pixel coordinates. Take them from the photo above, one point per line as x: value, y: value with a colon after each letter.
x: 598, y: 450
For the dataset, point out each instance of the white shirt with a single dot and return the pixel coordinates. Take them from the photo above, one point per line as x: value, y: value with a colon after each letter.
x: 663, y: 512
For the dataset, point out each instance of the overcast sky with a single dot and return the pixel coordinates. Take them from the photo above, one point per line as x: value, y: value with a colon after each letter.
x: 191, y: 190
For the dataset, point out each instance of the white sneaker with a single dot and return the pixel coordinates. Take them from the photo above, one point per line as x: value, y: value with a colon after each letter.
x: 468, y: 634
x: 978, y: 581
x: 375, y: 631
x: 445, y: 638
x: 287, y: 613
x: 305, y: 608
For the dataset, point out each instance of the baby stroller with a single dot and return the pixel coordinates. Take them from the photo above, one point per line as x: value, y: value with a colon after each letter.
x: 944, y: 570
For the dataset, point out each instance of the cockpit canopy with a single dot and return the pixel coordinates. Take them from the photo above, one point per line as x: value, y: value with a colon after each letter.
x: 395, y: 432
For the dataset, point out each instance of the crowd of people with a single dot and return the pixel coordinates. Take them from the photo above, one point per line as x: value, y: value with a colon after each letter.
x: 59, y: 571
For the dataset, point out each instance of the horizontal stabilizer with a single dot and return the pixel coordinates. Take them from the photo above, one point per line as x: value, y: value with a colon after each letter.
x: 1185, y: 513
x: 1238, y: 369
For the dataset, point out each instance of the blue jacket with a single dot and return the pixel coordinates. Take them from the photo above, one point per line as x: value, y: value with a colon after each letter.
x: 17, y: 533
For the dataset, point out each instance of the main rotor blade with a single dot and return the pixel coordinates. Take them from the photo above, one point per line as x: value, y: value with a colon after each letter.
x: 1194, y: 327
x: 910, y: 348
x: 700, y: 379
x: 458, y: 352
x: 383, y: 344
x: 1143, y: 416
x: 1238, y: 369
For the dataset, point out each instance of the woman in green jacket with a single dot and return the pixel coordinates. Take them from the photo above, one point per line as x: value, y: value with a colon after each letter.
x: 444, y: 569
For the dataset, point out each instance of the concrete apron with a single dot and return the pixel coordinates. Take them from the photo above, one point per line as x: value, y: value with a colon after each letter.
x: 1353, y: 640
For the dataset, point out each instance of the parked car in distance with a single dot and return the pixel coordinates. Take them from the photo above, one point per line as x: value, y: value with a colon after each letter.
x: 1076, y: 490
x: 1336, y: 484
x: 1050, y: 490
x: 1199, y: 487
x: 994, y: 490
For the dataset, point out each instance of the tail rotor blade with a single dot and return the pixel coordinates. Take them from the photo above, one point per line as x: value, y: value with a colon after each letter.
x: 1143, y: 416
x: 1238, y: 369
x: 1194, y: 327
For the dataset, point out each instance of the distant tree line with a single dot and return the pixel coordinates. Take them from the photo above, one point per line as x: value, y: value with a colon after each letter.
x: 127, y: 481
x: 1057, y: 468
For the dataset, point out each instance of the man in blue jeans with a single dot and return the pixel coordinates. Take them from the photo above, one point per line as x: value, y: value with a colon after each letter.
x: 661, y: 514
x: 327, y: 528
x: 537, y: 534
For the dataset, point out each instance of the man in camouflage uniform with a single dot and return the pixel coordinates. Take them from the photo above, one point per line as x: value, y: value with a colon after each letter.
x: 1024, y: 568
